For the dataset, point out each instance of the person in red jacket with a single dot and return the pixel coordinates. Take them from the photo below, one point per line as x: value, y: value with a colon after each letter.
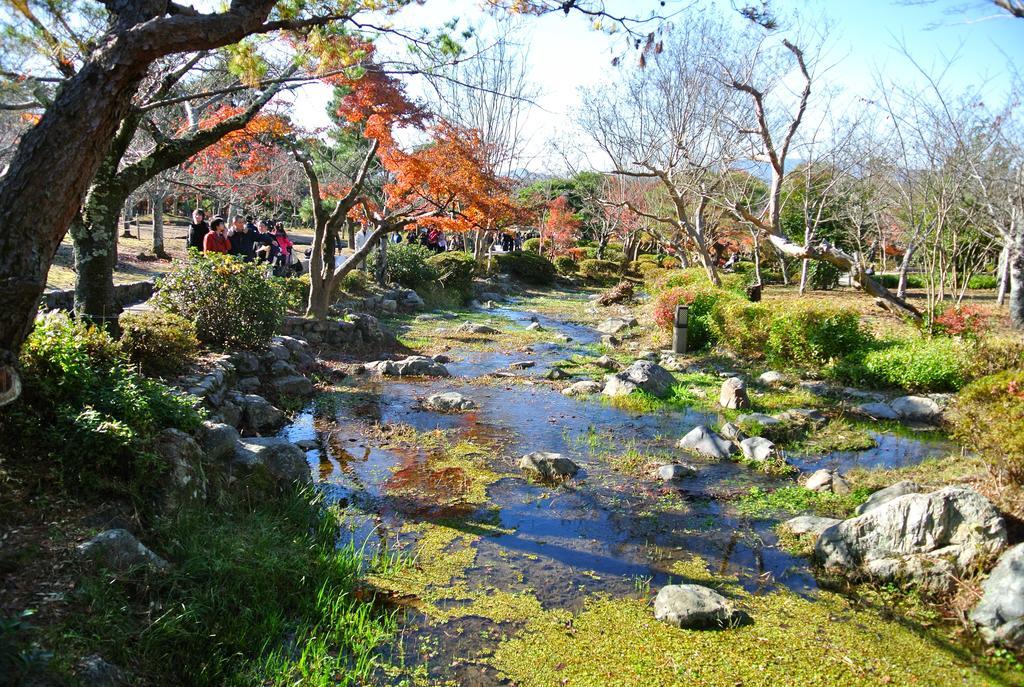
x: 217, y: 240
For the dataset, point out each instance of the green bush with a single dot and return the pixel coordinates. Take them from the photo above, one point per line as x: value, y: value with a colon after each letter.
x: 356, y: 281
x: 823, y: 276
x: 983, y: 281
x: 565, y: 265
x: 455, y: 271
x: 988, y: 416
x: 85, y: 412
x: 808, y: 335
x: 936, y: 364
x: 232, y: 303
x: 532, y: 245
x: 702, y: 302
x: 530, y: 267
x: 743, y: 267
x: 295, y: 291
x: 647, y: 257
x: 742, y: 327
x: 159, y: 342
x: 599, y: 272
x: 406, y: 265
x: 892, y: 281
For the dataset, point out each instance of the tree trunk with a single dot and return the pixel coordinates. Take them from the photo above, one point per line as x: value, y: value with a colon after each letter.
x: 757, y: 257
x: 1016, y: 270
x: 1003, y: 275
x: 901, y: 287
x: 157, y: 199
x: 804, y: 274
x: 382, y: 260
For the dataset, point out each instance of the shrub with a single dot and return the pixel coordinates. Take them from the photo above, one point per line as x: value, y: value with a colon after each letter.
x: 532, y: 245
x: 991, y: 354
x: 528, y: 266
x: 822, y: 275
x: 406, y: 265
x: 988, y: 416
x: 455, y: 271
x: 983, y: 281
x: 356, y: 281
x: 647, y: 257
x: 809, y: 335
x: 295, y: 291
x: 85, y: 411
x: 600, y: 272
x: 892, y: 281
x: 962, y: 320
x: 565, y: 265
x: 670, y: 263
x: 231, y: 303
x: 742, y: 327
x: 935, y: 364
x: 701, y: 303
x: 743, y: 267
x: 159, y: 342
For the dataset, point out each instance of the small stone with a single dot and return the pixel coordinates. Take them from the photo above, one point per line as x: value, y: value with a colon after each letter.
x: 840, y: 486
x: 521, y: 365
x: 606, y: 363
x: 691, y: 606
x: 120, y: 551
x: 675, y: 471
x: 702, y: 440
x: 878, y: 411
x: 557, y: 373
x: 772, y: 378
x: 549, y: 467
x: 615, y: 325
x: 535, y: 327
x: 820, y: 481
x: 734, y: 394
x: 732, y: 432
x: 758, y: 449
x: 584, y: 388
x: 449, y: 402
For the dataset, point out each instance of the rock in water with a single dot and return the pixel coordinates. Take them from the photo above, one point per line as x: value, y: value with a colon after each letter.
x: 691, y: 606
x: 615, y: 325
x: 809, y: 524
x: 259, y: 415
x: 734, y: 394
x: 474, y: 328
x: 549, y: 467
x: 606, y: 363
x: 282, y: 460
x: 583, y: 389
x: 702, y: 440
x: 930, y: 539
x: 883, y: 496
x: 675, y: 471
x: 120, y: 551
x: 643, y: 375
x: 449, y: 402
x: 413, y: 366
x: 878, y: 411
x: 1000, y: 613
x: 521, y: 364
x: 758, y: 449
x: 917, y: 409
x: 732, y: 432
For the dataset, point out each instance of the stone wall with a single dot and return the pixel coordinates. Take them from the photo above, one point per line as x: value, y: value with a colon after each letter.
x: 124, y: 295
x: 353, y: 332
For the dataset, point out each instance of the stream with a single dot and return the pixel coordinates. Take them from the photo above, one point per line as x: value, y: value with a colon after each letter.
x: 606, y: 532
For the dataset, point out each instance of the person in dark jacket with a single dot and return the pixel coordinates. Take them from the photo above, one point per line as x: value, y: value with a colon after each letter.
x: 197, y: 230
x: 242, y: 239
x: 265, y: 242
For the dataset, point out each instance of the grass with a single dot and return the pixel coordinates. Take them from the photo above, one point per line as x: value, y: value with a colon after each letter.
x: 786, y: 501
x: 422, y: 335
x: 258, y: 593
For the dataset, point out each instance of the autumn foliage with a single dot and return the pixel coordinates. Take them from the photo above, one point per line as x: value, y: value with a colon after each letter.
x: 561, y: 225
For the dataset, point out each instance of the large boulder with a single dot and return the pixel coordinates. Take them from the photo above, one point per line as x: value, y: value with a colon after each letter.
x: 119, y: 551
x: 917, y: 409
x: 930, y: 539
x: 281, y: 459
x: 549, y: 467
x: 877, y: 411
x: 702, y: 440
x: 291, y: 385
x: 217, y: 440
x: 734, y: 394
x: 184, y: 457
x: 259, y: 415
x: 809, y: 524
x: 826, y: 481
x: 691, y: 606
x: 584, y: 388
x: 759, y: 450
x: 643, y: 375
x: 413, y: 366
x: 1000, y: 613
x: 449, y: 402
x: 884, y: 496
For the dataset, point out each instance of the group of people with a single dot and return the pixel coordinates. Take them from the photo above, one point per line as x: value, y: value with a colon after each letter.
x: 432, y: 238
x: 267, y: 242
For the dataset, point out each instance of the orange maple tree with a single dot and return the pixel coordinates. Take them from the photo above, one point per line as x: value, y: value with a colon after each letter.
x: 561, y: 226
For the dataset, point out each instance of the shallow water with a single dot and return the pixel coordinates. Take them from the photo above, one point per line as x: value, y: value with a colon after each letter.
x: 604, y: 532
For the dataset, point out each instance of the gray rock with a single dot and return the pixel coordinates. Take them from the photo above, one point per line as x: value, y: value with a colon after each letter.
x: 491, y: 296
x: 283, y: 368
x: 230, y: 414
x: 441, y: 358
x: 611, y: 341
x: 772, y: 378
x: 734, y: 394
x: 702, y: 440
x: 186, y: 479
x: 413, y: 298
x: 389, y: 305
x: 557, y: 373
x: 691, y: 606
x: 820, y: 481
x: 93, y: 671
x: 809, y: 524
x: 549, y: 467
x: 878, y: 411
x: 675, y: 471
x: 217, y: 440
x: 474, y: 328
x: 647, y: 355
x: 245, y: 362
x: 803, y: 416
x: 292, y: 385
x: 283, y: 460
x: 840, y: 486
x: 732, y: 432
x: 758, y: 449
x: 535, y: 327
x: 643, y: 375
x: 248, y: 385
x: 308, y: 444
x: 758, y: 418
x: 615, y: 325
x: 279, y: 351
x: 413, y: 366
x: 883, y: 496
x: 449, y: 402
x: 521, y: 365
x: 1000, y: 613
x: 930, y: 539
x: 917, y: 409
x: 606, y: 363
x: 259, y: 415
x: 584, y: 388
x: 119, y: 551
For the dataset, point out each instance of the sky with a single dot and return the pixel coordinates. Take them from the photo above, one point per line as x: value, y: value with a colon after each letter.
x: 565, y: 55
